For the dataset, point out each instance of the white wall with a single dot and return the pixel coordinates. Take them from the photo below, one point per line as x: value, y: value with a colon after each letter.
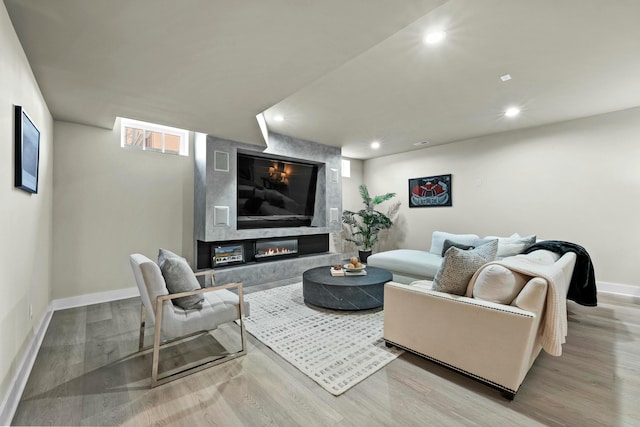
x: 110, y: 202
x: 25, y: 219
x: 577, y: 181
x: 351, y: 200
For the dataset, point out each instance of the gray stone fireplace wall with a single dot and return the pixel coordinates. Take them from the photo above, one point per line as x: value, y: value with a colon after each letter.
x: 215, y: 203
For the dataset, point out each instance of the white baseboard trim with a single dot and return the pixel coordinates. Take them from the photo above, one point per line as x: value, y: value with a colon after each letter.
x: 618, y: 289
x: 88, y: 299
x: 19, y: 381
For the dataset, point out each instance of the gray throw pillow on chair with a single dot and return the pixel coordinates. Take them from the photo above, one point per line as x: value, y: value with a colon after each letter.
x: 164, y: 254
x: 179, y: 277
x: 458, y: 266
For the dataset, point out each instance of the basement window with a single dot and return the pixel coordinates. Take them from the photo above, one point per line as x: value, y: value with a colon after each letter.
x: 346, y: 168
x: 153, y: 137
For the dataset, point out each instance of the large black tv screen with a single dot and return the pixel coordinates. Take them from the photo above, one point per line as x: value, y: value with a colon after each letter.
x: 275, y: 192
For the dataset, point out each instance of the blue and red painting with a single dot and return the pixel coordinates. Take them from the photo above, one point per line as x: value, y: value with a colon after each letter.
x: 430, y: 191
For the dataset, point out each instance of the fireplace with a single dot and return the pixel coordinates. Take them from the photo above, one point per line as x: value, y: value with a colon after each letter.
x: 223, y: 254
x: 271, y: 249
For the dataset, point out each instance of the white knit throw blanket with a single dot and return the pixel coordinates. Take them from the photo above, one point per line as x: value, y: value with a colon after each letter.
x: 554, y: 322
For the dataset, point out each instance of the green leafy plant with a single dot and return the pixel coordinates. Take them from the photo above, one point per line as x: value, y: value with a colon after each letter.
x: 368, y: 222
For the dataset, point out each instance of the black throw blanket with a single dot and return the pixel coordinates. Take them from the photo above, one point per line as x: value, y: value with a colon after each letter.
x: 582, y: 288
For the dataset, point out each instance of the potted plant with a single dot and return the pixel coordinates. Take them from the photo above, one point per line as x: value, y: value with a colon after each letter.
x: 367, y: 223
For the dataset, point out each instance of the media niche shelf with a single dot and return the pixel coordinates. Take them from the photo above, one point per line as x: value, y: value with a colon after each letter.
x: 226, y: 254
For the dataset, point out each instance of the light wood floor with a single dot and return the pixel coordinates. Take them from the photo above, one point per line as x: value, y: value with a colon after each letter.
x: 82, y: 377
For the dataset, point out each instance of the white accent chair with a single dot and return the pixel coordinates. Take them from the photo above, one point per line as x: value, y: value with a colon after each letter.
x: 174, y: 323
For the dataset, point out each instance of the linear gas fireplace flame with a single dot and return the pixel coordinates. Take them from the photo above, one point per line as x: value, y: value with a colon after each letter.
x: 273, y: 249
x: 277, y: 251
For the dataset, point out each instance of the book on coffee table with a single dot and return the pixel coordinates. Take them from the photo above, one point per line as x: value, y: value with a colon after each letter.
x: 338, y: 273
x: 356, y: 273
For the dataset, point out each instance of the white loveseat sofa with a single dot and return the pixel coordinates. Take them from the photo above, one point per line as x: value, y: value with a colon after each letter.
x: 495, y: 343
x: 408, y: 265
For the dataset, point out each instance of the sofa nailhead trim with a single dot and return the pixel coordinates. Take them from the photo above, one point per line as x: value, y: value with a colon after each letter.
x: 433, y: 359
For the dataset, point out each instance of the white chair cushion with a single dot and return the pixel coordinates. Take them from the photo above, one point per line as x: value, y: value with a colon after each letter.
x: 150, y: 282
x: 218, y: 307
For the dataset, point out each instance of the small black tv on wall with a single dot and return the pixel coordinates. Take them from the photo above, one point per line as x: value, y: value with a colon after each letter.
x: 27, y: 146
x: 275, y: 192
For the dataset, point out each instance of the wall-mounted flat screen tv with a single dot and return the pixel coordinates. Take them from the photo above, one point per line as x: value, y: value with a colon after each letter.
x: 275, y: 192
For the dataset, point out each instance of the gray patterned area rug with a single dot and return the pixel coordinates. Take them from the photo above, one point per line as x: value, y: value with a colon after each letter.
x: 336, y: 349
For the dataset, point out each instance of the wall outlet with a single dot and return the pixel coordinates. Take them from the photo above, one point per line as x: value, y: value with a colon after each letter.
x: 30, y: 311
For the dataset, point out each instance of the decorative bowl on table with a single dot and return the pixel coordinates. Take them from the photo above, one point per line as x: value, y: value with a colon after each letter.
x: 354, y: 269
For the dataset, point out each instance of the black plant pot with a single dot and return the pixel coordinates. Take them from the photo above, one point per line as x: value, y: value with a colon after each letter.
x: 363, y: 255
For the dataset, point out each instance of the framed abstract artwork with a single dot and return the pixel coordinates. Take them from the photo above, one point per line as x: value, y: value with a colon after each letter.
x: 27, y: 146
x: 430, y: 191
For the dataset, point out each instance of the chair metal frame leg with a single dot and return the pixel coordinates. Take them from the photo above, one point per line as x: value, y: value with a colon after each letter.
x: 143, y: 323
x: 215, y: 360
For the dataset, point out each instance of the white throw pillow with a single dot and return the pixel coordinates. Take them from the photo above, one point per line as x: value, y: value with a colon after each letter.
x: 498, y: 284
x: 512, y: 245
x: 438, y: 238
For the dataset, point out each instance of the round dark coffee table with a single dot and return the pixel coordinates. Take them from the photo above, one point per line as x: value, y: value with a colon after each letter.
x: 320, y: 288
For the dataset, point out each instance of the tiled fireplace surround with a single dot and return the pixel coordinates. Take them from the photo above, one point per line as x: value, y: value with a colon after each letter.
x: 215, y: 207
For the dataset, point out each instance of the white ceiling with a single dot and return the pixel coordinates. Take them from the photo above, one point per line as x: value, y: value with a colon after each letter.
x: 342, y: 73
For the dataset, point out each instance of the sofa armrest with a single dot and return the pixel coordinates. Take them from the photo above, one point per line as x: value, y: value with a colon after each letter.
x: 566, y: 263
x: 533, y: 296
x: 462, y: 299
x: 492, y: 342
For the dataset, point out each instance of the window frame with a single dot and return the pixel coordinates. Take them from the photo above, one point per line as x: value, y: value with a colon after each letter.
x: 147, y: 127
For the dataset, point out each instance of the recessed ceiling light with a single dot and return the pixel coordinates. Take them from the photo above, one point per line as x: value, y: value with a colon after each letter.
x: 375, y: 145
x: 278, y: 118
x: 417, y: 144
x: 512, y: 112
x: 434, y: 37
x: 505, y: 78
